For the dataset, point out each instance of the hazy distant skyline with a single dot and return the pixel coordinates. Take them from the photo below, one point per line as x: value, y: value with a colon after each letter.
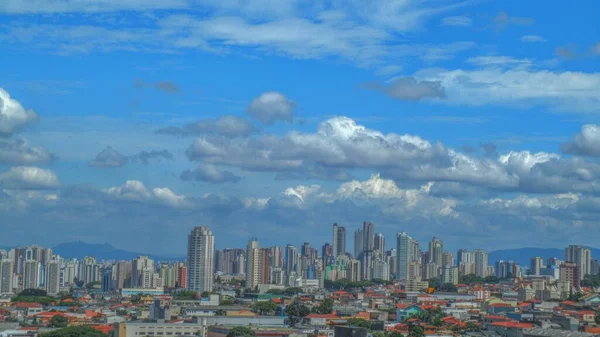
x: 132, y: 122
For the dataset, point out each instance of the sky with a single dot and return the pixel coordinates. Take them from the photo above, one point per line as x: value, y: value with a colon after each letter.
x: 129, y: 122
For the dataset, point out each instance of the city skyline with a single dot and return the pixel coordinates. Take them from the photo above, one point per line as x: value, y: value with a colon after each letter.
x: 475, y: 121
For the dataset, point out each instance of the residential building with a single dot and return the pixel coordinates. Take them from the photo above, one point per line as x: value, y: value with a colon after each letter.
x: 253, y: 264
x: 53, y: 277
x: 481, y: 263
x: 200, y: 259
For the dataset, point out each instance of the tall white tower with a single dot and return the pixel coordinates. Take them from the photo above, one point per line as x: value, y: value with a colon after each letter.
x: 201, y: 248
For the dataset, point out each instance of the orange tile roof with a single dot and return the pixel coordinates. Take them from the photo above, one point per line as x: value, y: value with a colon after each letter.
x: 329, y: 316
x: 513, y: 325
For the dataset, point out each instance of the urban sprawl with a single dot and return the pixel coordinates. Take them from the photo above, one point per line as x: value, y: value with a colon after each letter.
x: 407, y: 289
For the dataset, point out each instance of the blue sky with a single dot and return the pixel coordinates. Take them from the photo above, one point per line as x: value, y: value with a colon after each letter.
x: 475, y: 121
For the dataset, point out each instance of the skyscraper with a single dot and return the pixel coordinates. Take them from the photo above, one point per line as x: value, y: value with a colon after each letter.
x: 30, y: 274
x: 6, y: 276
x: 368, y: 236
x: 339, y: 243
x: 447, y: 259
x: 403, y: 252
x: 358, y: 243
x: 291, y: 259
x: 537, y: 263
x: 139, y: 266
x: 200, y: 259
x: 53, y: 277
x: 481, y: 263
x: 582, y: 257
x: 380, y: 244
x: 436, y: 251
x: 253, y: 264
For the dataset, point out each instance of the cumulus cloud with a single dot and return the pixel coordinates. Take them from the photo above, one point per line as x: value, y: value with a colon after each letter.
x: 271, y: 107
x: 410, y: 89
x: 12, y: 114
x: 209, y: 173
x: 227, y: 125
x: 111, y: 158
x: 134, y: 190
x: 20, y: 152
x: 584, y: 143
x: 28, y: 178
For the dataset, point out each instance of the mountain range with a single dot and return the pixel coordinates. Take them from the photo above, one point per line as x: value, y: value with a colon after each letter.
x: 103, y: 251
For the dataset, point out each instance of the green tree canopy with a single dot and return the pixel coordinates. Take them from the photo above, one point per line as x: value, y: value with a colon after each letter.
x: 74, y: 331
x: 416, y: 331
x: 59, y: 321
x: 359, y: 322
x: 33, y: 292
x: 265, y: 307
x: 295, y: 311
x: 395, y: 334
x: 241, y: 331
x: 186, y: 295
x: 326, y: 307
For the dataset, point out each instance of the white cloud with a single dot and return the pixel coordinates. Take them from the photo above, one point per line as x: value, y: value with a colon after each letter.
x: 134, y: 190
x: 72, y: 6
x: 28, y: 178
x: 459, y: 21
x: 564, y: 91
x: 271, y: 107
x: 20, y: 152
x: 12, y: 114
x: 209, y: 173
x: 301, y: 192
x: 524, y: 161
x: 585, y: 143
x: 532, y: 39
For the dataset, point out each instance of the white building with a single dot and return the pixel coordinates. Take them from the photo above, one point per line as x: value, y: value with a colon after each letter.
x: 201, y: 247
x: 6, y: 276
x: 53, y: 277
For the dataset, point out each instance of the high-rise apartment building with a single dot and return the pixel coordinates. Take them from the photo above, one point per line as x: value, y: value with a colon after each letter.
x: 571, y: 272
x: 368, y: 236
x: 123, y: 275
x: 140, y: 268
x: 326, y: 253
x: 339, y: 240
x: 31, y: 274
x: 449, y: 274
x: 253, y: 264
x: 436, y: 249
x: 53, y: 277
x: 404, y: 254
x: 537, y: 263
x: 200, y: 259
x: 380, y: 244
x: 291, y: 259
x: 481, y: 263
x: 358, y: 243
x: 447, y: 259
x: 381, y: 270
x: 6, y: 276
x: 582, y: 257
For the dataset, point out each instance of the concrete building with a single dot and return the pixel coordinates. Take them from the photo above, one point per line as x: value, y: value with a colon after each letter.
x: 537, y: 263
x: 140, y: 267
x: 339, y: 240
x: 481, y: 263
x: 31, y: 274
x: 582, y: 257
x: 53, y: 277
x: 403, y: 253
x: 6, y: 276
x: 200, y: 259
x: 449, y: 274
x: 253, y: 264
x: 570, y: 272
x: 381, y: 270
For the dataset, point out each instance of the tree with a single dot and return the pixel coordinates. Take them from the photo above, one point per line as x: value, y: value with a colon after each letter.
x: 472, y: 326
x: 59, y: 321
x: 437, y: 321
x: 448, y: 287
x: 33, y: 292
x: 241, y: 331
x: 291, y: 291
x: 395, y: 334
x: 359, y: 322
x: 220, y: 312
x: 93, y: 285
x: 576, y: 297
x: 186, y: 295
x: 276, y: 291
x: 326, y: 307
x: 74, y: 331
x: 265, y: 308
x: 416, y: 331
x: 295, y: 311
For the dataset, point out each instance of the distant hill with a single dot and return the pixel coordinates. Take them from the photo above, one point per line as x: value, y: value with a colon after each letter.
x: 104, y: 251
x: 522, y: 256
